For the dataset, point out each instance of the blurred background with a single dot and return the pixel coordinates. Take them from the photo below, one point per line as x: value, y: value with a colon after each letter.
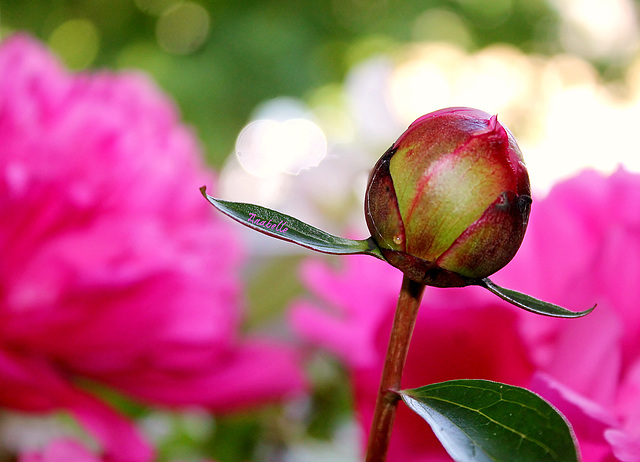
x: 339, y: 80
x: 294, y: 101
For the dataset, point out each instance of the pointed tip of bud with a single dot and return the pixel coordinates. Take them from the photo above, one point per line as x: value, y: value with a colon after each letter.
x: 493, y: 122
x: 494, y: 130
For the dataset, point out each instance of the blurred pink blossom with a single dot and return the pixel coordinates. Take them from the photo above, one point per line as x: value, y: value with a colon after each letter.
x: 114, y: 269
x: 582, y: 246
x: 63, y: 450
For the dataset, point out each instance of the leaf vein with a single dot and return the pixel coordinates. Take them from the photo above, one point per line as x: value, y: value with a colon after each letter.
x: 506, y: 427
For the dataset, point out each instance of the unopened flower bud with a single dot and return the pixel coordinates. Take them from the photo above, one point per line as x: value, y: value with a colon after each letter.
x: 449, y: 202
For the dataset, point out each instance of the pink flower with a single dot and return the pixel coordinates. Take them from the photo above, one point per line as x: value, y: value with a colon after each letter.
x: 582, y: 246
x: 113, y: 268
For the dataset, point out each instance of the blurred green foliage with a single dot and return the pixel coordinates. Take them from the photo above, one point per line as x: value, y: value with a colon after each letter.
x: 254, y: 50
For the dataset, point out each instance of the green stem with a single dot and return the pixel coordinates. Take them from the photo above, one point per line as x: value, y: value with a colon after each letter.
x: 387, y: 400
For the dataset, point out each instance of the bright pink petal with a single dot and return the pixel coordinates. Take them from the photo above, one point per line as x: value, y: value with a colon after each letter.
x: 34, y: 385
x: 625, y: 447
x: 587, y: 355
x: 588, y: 419
x: 628, y: 404
x: 63, y: 450
x: 252, y: 373
x: 346, y: 302
x: 321, y: 329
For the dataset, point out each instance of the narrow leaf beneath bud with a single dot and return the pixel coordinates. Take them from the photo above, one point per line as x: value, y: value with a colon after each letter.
x: 290, y: 229
x: 529, y: 303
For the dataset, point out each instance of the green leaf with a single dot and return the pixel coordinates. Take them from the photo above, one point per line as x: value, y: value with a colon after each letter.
x: 527, y: 302
x: 479, y: 420
x: 287, y: 228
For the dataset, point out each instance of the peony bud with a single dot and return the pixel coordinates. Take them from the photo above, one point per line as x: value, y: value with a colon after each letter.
x: 448, y: 203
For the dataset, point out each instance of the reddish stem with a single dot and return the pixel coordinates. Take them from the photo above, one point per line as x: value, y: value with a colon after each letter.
x: 387, y: 401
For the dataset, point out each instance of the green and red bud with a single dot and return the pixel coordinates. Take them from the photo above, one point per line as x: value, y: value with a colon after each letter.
x: 449, y: 202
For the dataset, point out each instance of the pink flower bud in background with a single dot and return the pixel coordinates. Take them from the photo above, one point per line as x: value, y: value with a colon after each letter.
x: 449, y: 202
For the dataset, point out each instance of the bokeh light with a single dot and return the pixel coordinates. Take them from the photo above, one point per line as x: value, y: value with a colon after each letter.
x: 268, y: 147
x: 598, y: 29
x: 441, y: 25
x: 183, y: 27
x: 76, y: 41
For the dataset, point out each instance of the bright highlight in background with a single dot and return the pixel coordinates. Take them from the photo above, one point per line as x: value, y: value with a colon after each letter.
x: 599, y: 29
x: 565, y: 117
x: 266, y: 147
